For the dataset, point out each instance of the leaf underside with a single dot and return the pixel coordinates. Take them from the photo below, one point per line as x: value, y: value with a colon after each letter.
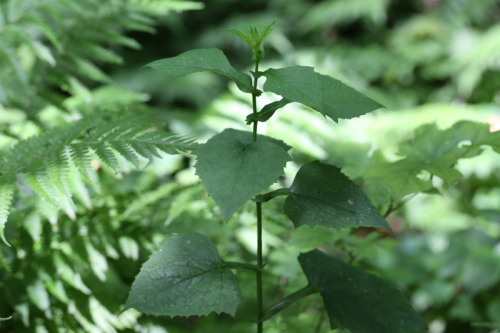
x: 267, y: 111
x: 203, y: 60
x: 183, y: 278
x: 358, y: 301
x: 322, y: 195
x: 324, y: 94
x: 233, y: 172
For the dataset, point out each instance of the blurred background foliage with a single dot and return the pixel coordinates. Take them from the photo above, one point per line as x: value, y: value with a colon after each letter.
x: 428, y: 61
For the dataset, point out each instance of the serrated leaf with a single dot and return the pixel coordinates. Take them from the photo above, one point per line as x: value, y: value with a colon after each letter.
x: 356, y: 300
x: 267, y: 111
x: 184, y: 278
x: 322, y: 195
x: 81, y: 158
x: 203, y: 60
x: 126, y: 152
x: 324, y: 94
x: 254, y: 35
x: 233, y: 172
x: 246, y: 137
x: 436, y: 151
x: 106, y: 154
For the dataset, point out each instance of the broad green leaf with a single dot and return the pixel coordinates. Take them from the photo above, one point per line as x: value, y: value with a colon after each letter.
x: 322, y: 195
x: 246, y: 137
x: 254, y: 35
x: 322, y: 93
x: 267, y: 111
x: 203, y: 60
x: 356, y: 300
x: 233, y: 171
x: 436, y: 151
x: 184, y: 278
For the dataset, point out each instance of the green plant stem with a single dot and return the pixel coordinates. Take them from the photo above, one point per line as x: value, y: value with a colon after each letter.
x: 259, y: 220
x: 259, y: 265
x: 254, y: 103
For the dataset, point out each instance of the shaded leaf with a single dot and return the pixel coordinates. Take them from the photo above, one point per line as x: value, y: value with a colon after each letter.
x: 322, y: 93
x: 184, y: 278
x: 267, y: 111
x: 233, y: 172
x: 288, y: 300
x: 322, y: 195
x: 203, y: 60
x: 356, y: 300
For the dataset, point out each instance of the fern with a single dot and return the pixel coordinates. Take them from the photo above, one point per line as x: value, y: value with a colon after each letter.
x: 47, y: 158
x: 70, y: 40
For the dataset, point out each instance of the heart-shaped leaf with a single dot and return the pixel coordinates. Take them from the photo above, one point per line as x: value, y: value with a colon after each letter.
x: 322, y: 195
x: 322, y: 93
x: 203, y: 60
x: 184, y: 278
x: 233, y: 172
x: 356, y: 300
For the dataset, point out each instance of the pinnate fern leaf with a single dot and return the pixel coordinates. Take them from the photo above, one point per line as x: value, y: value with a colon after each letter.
x: 6, y: 191
x: 46, y: 160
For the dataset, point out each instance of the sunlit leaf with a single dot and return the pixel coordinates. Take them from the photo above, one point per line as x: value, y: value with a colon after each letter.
x: 322, y: 93
x: 203, y: 60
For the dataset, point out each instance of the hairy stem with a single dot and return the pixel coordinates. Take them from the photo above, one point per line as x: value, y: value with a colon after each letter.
x: 259, y: 220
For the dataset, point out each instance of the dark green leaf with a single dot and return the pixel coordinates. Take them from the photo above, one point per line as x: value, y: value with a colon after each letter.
x: 267, y: 111
x: 322, y: 195
x: 203, y: 60
x: 233, y: 172
x: 356, y: 300
x: 247, y: 137
x: 320, y: 92
x: 184, y: 278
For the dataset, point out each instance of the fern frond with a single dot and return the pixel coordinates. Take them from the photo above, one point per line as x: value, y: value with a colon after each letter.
x: 6, y: 192
x: 38, y: 179
x: 80, y: 155
x: 46, y: 159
